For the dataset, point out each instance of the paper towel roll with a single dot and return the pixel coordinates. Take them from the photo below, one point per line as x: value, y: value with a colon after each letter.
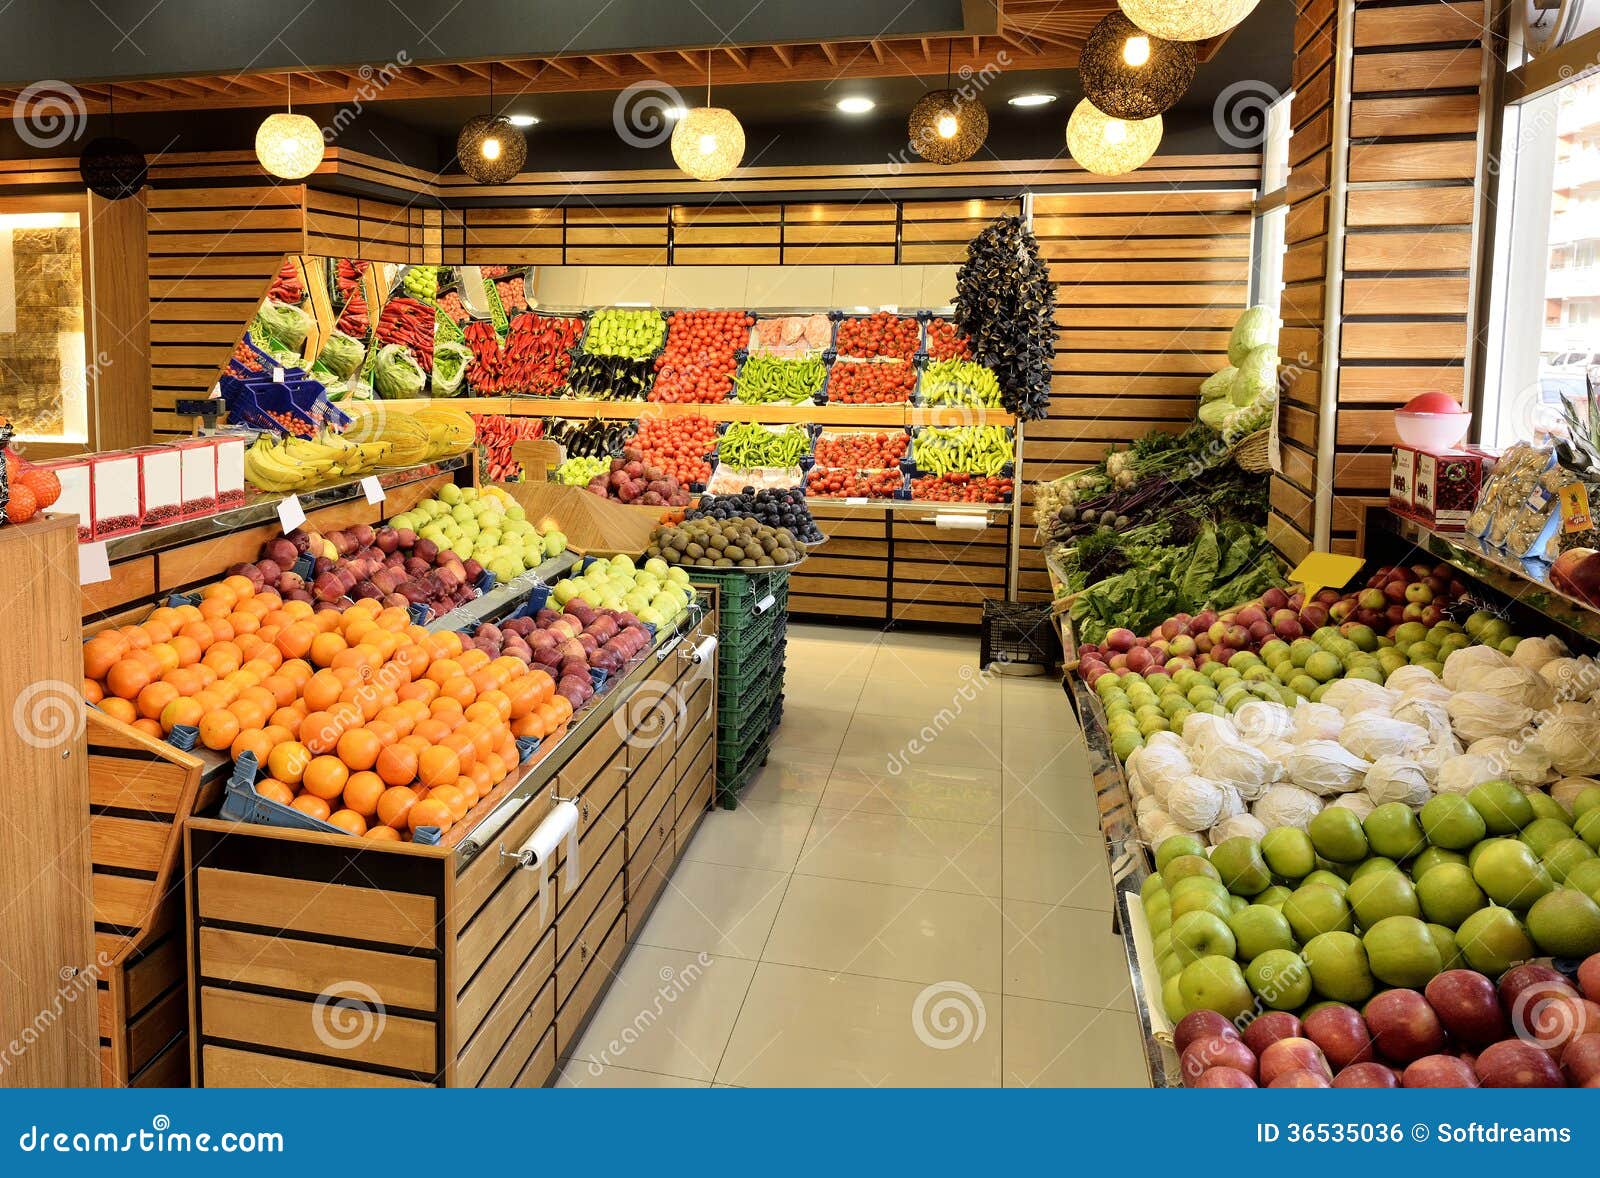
x: 951, y: 522
x: 561, y: 823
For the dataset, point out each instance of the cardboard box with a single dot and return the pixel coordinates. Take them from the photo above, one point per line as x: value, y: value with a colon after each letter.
x: 230, y: 470
x: 199, y: 476
x: 77, y: 493
x: 114, y: 480
x: 1443, y: 487
x: 1403, y: 481
x: 160, y: 485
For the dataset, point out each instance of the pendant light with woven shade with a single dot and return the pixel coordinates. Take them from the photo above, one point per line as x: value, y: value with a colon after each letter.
x: 947, y: 126
x: 490, y: 149
x: 1108, y: 146
x: 1187, y: 20
x: 111, y: 166
x: 289, y: 146
x: 1129, y: 74
x: 708, y: 141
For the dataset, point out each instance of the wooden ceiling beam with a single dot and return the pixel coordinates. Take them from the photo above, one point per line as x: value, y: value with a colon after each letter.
x: 783, y: 54
x: 562, y: 66
x: 831, y: 53
x: 604, y: 62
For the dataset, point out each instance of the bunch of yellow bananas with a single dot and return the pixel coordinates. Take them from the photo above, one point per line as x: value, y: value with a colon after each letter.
x: 427, y: 434
x: 298, y: 464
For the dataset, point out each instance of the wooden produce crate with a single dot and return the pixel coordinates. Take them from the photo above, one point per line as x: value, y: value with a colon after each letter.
x: 317, y: 959
x: 593, y: 526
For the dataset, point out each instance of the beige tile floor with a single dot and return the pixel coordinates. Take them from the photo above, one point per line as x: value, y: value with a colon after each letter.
x: 912, y: 892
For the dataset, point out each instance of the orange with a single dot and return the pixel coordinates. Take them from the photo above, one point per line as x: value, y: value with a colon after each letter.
x: 322, y: 690
x: 482, y: 736
x: 220, y: 630
x: 240, y: 585
x: 254, y: 741
x: 382, y: 834
x: 287, y: 718
x: 442, y: 669
x: 453, y: 798
x: 320, y: 731
x: 460, y: 689
x: 482, y: 778
x: 243, y: 625
x: 149, y: 727
x: 298, y: 610
x: 250, y: 713
x: 92, y: 691
x: 277, y: 734
x: 119, y: 709
x: 99, y: 653
x: 361, y: 793
x: 220, y: 593
x: 294, y: 640
x: 359, y: 748
x: 384, y: 731
x: 349, y: 821
x: 275, y: 791
x: 460, y: 742
x: 325, y: 778
x: 500, y: 700
x: 438, y: 766
x: 432, y: 730
x: 326, y: 619
x: 415, y: 743
x: 137, y: 639
x: 189, y: 649
x: 393, y: 805
x: 127, y: 678
x: 397, y: 765
x: 197, y: 632
x: 473, y: 660
x: 324, y: 647
x: 421, y: 689
x: 393, y: 618
x: 184, y: 613
x: 180, y: 711
x: 155, y: 697
x: 312, y: 805
x: 533, y: 724
x: 282, y: 688
x: 218, y: 728
x: 261, y: 697
x: 166, y: 655
x: 429, y: 812
x: 497, y: 767
x: 483, y: 712
x: 159, y: 631
x: 287, y: 761
x: 209, y: 701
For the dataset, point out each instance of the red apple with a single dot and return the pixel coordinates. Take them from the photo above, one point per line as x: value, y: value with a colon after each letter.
x: 1274, y: 599
x: 1200, y: 1024
x: 1300, y: 1078
x: 1341, y: 1033
x: 1223, y: 1078
x: 1217, y: 1051
x: 1291, y: 1055
x: 1440, y: 1071
x: 1263, y: 1032
x: 1395, y: 591
x: 1522, y: 977
x: 1581, y: 1060
x: 1249, y: 615
x: 1339, y: 611
x: 1366, y: 1075
x: 1515, y: 1064
x: 1589, y: 977
x: 1466, y: 1004
x: 1404, y: 1025
x: 1314, y: 616
x: 1327, y: 596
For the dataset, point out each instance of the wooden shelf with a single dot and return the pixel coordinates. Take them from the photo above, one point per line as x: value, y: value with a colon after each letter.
x: 858, y: 416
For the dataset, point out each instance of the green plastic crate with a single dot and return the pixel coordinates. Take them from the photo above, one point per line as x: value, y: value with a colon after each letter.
x: 736, y: 714
x: 737, y: 624
x: 734, y: 743
x: 734, y: 774
x: 735, y: 664
x: 739, y: 590
x: 752, y: 674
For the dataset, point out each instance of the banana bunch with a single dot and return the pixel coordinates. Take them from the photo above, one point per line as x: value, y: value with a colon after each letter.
x: 422, y: 436
x: 299, y: 464
x: 970, y: 449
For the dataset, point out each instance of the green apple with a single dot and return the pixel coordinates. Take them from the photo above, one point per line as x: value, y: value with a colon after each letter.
x: 1452, y: 822
x: 1382, y: 894
x: 1588, y: 799
x: 1323, y: 876
x: 1316, y: 908
x: 1587, y: 828
x: 1336, y: 833
x: 1259, y: 928
x: 1339, y: 969
x: 1280, y: 979
x: 1565, y: 923
x: 1503, y: 807
x: 1186, y: 865
x: 1289, y: 852
x: 1493, y: 940
x: 1393, y: 830
x: 1448, y: 894
x: 1151, y: 886
x: 1201, y: 934
x: 1168, y: 966
x: 1545, y: 806
x: 1273, y: 897
x: 1216, y: 983
x: 1172, y: 998
x: 1444, y: 940
x: 1544, y: 833
x: 1370, y: 866
x: 1510, y: 875
x: 1585, y: 877
x: 1240, y: 864
x: 1401, y: 952
x: 1433, y: 857
x: 1564, y: 856
x: 1199, y: 900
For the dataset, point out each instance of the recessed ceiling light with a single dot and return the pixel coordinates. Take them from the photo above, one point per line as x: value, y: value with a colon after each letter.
x: 522, y: 120
x: 856, y: 106
x: 1032, y: 100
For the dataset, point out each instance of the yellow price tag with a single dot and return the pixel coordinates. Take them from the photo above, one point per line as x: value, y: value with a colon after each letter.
x: 1325, y: 570
x: 1575, y: 516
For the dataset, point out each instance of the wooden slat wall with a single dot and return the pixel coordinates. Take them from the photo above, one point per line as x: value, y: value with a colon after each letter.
x: 376, y: 230
x: 1148, y: 285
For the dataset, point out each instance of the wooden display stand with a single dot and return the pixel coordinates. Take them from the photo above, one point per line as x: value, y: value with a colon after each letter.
x: 321, y: 960
x: 593, y: 526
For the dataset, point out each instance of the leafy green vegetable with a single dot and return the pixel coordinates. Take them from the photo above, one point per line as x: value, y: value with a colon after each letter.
x: 1205, y: 557
x: 287, y: 325
x: 1256, y: 328
x: 341, y: 355
x: 450, y: 361
x: 1218, y: 384
x: 396, y: 374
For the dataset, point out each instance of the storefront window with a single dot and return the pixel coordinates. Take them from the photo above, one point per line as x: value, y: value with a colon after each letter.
x: 43, y: 370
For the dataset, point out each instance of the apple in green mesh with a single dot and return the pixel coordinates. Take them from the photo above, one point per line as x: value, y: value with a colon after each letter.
x: 1444, y: 939
x: 1216, y: 983
x: 1493, y: 940
x: 1565, y: 923
x: 1187, y: 865
x: 1433, y: 857
x: 1289, y: 852
x: 1503, y: 807
x: 1273, y: 897
x: 1452, y: 822
x: 1393, y: 831
x: 1240, y: 864
x: 1560, y: 859
x: 1374, y: 898
x: 1542, y: 834
x: 1448, y: 894
x: 1336, y: 833
x: 1401, y: 952
x: 1509, y: 874
x: 1280, y: 979
x: 1201, y: 934
x: 1370, y: 866
x: 1257, y: 929
x: 1339, y: 969
x: 1316, y: 908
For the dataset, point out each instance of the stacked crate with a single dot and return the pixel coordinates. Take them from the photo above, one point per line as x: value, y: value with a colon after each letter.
x: 754, y: 621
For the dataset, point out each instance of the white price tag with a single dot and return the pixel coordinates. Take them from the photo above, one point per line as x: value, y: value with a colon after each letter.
x: 892, y: 308
x: 373, y: 489
x: 94, y: 565
x: 290, y: 514
x: 277, y: 376
x: 855, y: 501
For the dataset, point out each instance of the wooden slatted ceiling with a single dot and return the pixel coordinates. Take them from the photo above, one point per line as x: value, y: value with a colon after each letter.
x: 1148, y: 285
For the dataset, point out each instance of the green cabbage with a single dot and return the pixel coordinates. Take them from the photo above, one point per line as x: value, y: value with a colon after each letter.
x: 1215, y: 413
x: 1217, y: 386
x: 397, y: 375
x: 341, y: 355
x: 450, y: 362
x: 1256, y: 328
x: 285, y: 324
x: 1257, y: 379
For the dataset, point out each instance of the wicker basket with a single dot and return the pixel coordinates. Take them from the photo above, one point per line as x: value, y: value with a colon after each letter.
x: 1254, y: 452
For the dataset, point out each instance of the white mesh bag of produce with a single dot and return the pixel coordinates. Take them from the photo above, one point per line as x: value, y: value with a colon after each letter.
x: 1475, y: 715
x: 1397, y: 779
x: 1316, y: 721
x: 1239, y: 826
x: 1521, y: 759
x: 1243, y: 766
x: 1357, y: 697
x: 1570, y: 735
x: 1358, y: 802
x: 1326, y: 767
x: 1197, y: 802
x: 1373, y: 734
x: 1286, y: 805
x: 1469, y: 661
x: 1263, y: 719
x: 1463, y: 773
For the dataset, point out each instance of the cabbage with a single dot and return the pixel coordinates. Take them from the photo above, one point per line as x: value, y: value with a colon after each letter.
x: 1431, y: 758
x: 1202, y: 729
x: 1431, y: 715
x: 1316, y: 721
x: 1476, y: 715
x: 1462, y: 774
x: 1287, y: 805
x: 1373, y: 735
x: 1469, y: 661
x: 1262, y: 719
x: 1404, y: 679
x: 1233, y: 805
x: 342, y: 355
x: 1149, y: 806
x: 1257, y: 379
x: 1566, y: 790
x: 1165, y: 739
x: 1358, y: 801
x: 1522, y: 760
x: 1246, y: 768
x: 1165, y: 831
x: 1571, y: 735
x: 1571, y: 679
x: 288, y: 325
x: 1154, y: 824
x: 1397, y: 779
x: 1326, y: 767
x: 1215, y: 387
x: 1215, y: 414
x: 1196, y: 803
x: 1354, y: 697
x: 1159, y: 768
x: 1516, y: 686
x: 1534, y: 653
x: 1256, y: 328
x: 1277, y: 750
x: 1245, y: 826
x: 396, y: 374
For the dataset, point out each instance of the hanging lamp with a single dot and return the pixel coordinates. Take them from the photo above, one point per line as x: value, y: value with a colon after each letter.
x: 947, y: 126
x: 289, y: 146
x: 708, y: 141
x: 1187, y: 20
x: 1129, y: 74
x: 490, y: 149
x: 113, y: 167
x: 1108, y: 146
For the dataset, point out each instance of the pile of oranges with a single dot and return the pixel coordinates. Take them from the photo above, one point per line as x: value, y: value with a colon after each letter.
x: 360, y: 717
